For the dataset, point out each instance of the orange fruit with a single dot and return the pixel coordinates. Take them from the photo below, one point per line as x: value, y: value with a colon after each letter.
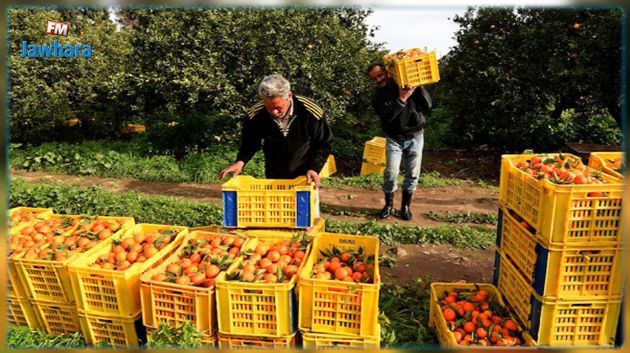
x: 449, y: 314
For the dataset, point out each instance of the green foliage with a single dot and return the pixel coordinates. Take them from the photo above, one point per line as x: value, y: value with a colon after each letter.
x: 213, y: 59
x: 128, y: 160
x: 184, y: 336
x: 392, y: 234
x: 45, y: 92
x: 465, y: 217
x: 22, y: 337
x: 438, y: 133
x: 404, y: 314
x: 198, y: 67
x: 515, y: 73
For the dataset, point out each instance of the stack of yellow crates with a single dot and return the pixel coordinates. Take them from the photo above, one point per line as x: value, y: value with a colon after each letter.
x: 374, y: 157
x: 108, y: 300
x: 559, y: 259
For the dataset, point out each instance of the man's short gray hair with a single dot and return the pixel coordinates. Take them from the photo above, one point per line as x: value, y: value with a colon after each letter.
x: 274, y: 86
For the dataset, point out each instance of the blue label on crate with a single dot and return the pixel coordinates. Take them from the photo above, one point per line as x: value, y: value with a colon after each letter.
x: 497, y: 265
x: 230, y: 209
x: 540, y: 270
x: 303, y: 202
x: 499, y: 228
x: 534, y: 317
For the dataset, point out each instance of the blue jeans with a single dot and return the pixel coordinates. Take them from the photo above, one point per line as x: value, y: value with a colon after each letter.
x: 395, y: 149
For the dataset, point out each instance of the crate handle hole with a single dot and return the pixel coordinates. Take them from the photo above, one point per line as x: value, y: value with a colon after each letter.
x: 253, y: 291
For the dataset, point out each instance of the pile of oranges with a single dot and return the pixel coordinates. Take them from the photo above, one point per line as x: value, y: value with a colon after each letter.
x: 476, y: 320
x: 560, y: 169
x: 401, y: 55
x: 136, y: 248
x: 271, y: 263
x: 22, y: 216
x: 30, y: 240
x: 345, y: 266
x: 202, y: 259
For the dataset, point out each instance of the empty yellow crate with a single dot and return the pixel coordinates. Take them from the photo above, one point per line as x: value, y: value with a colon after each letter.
x: 563, y: 214
x: 438, y: 322
x: 20, y: 312
x: 57, y: 318
x: 374, y: 150
x: 175, y: 304
x: 110, y: 292
x: 558, y: 322
x: 420, y: 69
x: 314, y: 340
x: 134, y: 128
x: 337, y: 307
x: 329, y: 168
x: 268, y: 203
x: 568, y: 272
x: 368, y: 168
x: 256, y: 309
x: 603, y: 160
x: 49, y: 280
x: 249, y: 342
x: 111, y: 330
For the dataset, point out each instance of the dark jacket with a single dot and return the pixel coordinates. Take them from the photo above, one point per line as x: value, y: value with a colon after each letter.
x: 306, y: 146
x: 400, y: 120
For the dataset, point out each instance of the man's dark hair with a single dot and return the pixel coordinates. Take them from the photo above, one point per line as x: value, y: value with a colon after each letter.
x: 373, y: 65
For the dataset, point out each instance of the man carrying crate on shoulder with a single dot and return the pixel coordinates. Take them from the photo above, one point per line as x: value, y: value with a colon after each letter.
x: 402, y: 112
x: 291, y: 130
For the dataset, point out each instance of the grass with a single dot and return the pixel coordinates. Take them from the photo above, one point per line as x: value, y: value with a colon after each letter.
x: 465, y: 217
x: 431, y: 179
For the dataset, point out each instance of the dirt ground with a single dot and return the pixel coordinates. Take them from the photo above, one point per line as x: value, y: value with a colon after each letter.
x: 442, y: 262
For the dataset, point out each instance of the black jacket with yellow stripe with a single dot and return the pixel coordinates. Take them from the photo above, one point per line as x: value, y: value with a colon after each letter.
x: 305, y: 147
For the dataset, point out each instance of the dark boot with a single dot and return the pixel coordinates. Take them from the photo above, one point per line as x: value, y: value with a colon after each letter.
x: 389, y: 206
x: 405, y: 206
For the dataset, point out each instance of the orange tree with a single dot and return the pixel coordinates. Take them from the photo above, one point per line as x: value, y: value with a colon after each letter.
x: 533, y: 77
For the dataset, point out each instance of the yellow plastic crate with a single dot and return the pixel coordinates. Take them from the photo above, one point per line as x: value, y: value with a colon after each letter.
x: 113, y: 330
x: 110, y: 292
x: 175, y: 304
x: 207, y: 340
x: 268, y: 203
x: 256, y: 309
x: 374, y: 151
x: 601, y: 161
x: 558, y: 322
x: 337, y: 307
x: 39, y: 213
x: 20, y: 313
x: 421, y: 69
x: 57, y: 318
x: 134, y: 128
x: 568, y: 272
x: 562, y: 214
x: 15, y: 287
x: 49, y: 280
x: 329, y: 168
x: 249, y: 342
x: 314, y: 340
x: 368, y: 168
x: 438, y: 322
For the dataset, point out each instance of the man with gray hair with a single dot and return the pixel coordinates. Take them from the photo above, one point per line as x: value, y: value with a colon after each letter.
x: 291, y: 130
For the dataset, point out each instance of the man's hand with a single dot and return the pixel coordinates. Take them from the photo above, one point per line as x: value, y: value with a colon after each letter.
x: 235, y: 169
x: 405, y: 93
x: 313, y: 176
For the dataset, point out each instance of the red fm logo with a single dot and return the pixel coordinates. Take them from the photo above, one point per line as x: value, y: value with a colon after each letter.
x: 57, y: 28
